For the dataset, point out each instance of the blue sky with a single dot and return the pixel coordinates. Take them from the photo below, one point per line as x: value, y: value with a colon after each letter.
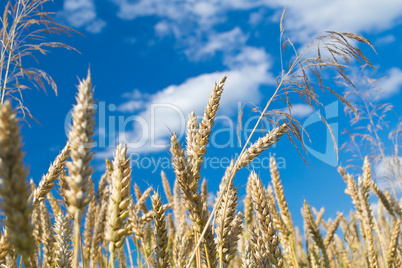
x: 153, y: 62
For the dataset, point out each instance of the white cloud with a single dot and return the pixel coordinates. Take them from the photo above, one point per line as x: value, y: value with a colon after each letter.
x: 194, y: 23
x: 306, y: 19
x: 162, y: 28
x: 257, y: 17
x: 299, y: 110
x: 188, y: 9
x: 166, y: 111
x: 191, y: 23
x: 131, y: 106
x: 228, y: 42
x: 392, y: 84
x: 95, y: 26
x: 82, y: 14
x: 385, y: 40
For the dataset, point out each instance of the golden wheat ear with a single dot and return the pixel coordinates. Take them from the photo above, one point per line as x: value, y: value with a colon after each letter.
x: 76, y: 186
x: 63, y: 249
x: 48, y: 181
x: 120, y: 199
x: 265, y: 234
x: 160, y: 232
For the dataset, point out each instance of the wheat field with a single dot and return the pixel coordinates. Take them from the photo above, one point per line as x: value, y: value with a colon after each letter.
x: 73, y: 219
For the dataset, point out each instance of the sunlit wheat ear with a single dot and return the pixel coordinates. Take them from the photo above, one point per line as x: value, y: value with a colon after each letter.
x: 394, y: 203
x: 225, y: 220
x: 182, y: 242
x: 352, y: 190
x: 166, y: 187
x: 48, y: 181
x: 331, y: 230
x: 160, y: 232
x: 248, y: 205
x: 193, y: 199
x: 367, y: 217
x: 232, y: 238
x: 285, y: 236
x: 78, y: 182
x: 341, y: 250
x: 80, y: 139
x: 191, y: 132
x: 280, y: 195
x: 14, y: 189
x: 140, y: 196
x: 262, y: 249
x: 4, y: 247
x: 388, y: 204
x: 201, y: 138
x: 99, y: 226
x: 63, y: 249
x: 248, y: 259
x: 89, y: 223
x: 100, y: 193
x: 63, y: 187
x: 264, y: 222
x: 119, y: 199
x: 171, y: 236
x: 47, y: 235
x: 261, y: 145
x: 55, y: 206
x: 393, y: 246
x: 315, y: 232
x: 136, y: 225
x: 188, y: 186
x: 37, y: 231
x: 179, y: 211
x: 319, y: 214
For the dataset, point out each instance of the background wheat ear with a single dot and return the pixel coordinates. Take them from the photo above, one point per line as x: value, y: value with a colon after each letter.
x: 160, y: 232
x: 48, y: 181
x: 63, y: 249
x: 14, y: 190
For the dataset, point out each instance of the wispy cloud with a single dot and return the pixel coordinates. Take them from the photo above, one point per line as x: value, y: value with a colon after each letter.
x: 82, y: 14
x: 228, y: 42
x: 304, y: 19
x: 392, y: 84
x: 385, y: 40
